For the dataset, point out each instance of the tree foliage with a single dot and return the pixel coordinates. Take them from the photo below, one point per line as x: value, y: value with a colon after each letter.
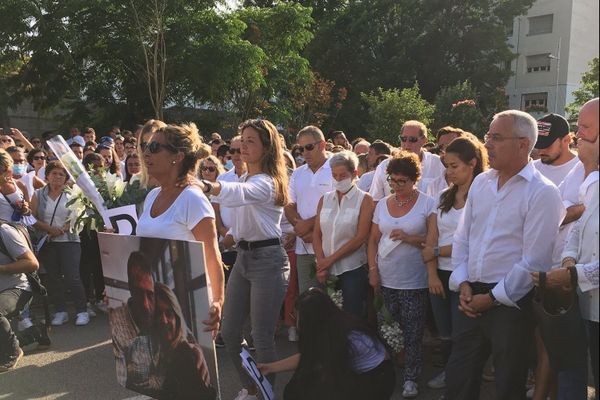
x: 457, y: 106
x: 389, y: 109
x: 587, y: 91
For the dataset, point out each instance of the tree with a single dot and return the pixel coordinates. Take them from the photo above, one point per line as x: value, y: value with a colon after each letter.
x: 393, y: 43
x: 389, y: 109
x: 587, y: 91
x: 457, y: 106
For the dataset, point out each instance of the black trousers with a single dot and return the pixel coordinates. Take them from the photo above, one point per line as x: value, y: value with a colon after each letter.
x: 507, y: 334
x: 90, y: 266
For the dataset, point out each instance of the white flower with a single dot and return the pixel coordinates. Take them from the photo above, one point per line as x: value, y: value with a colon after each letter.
x: 337, y: 298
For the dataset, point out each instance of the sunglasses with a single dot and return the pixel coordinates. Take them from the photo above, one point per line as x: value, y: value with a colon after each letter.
x: 209, y: 169
x: 38, y: 158
x: 154, y: 147
x: 6, y: 140
x: 234, y: 151
x: 308, y: 147
x: 399, y: 182
x: 410, y: 139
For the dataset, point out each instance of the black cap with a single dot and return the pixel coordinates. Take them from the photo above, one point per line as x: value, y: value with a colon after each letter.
x: 550, y: 128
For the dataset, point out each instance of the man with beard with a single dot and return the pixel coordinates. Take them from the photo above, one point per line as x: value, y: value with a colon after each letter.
x: 131, y: 324
x: 556, y: 158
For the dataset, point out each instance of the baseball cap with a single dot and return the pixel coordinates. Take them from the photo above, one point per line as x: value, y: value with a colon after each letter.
x: 106, y: 139
x: 550, y: 128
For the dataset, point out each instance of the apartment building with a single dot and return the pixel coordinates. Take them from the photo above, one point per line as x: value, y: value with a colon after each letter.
x: 554, y: 44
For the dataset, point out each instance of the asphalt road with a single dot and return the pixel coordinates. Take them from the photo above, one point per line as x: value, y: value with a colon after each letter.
x: 80, y: 366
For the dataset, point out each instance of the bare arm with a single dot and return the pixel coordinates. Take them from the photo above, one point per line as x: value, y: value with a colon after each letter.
x: 317, y: 234
x: 23, y: 264
x: 287, y: 364
x: 573, y: 213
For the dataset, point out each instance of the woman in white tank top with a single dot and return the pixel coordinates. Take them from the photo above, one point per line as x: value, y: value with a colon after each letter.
x: 341, y: 231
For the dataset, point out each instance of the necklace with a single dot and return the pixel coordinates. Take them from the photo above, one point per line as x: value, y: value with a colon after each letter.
x: 402, y: 203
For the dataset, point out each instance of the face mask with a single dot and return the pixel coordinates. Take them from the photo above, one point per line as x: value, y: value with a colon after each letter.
x: 19, y: 169
x: 343, y: 186
x: 228, y: 165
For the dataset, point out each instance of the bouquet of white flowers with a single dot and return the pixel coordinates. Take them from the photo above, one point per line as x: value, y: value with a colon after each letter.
x: 330, y: 286
x: 389, y: 329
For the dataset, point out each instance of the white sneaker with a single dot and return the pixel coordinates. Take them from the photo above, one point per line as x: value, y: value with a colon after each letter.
x: 102, y: 307
x: 60, y: 318
x: 243, y: 395
x: 83, y: 318
x: 90, y: 310
x: 24, y: 323
x: 410, y: 390
x: 293, y: 334
x: 529, y: 393
x: 439, y: 382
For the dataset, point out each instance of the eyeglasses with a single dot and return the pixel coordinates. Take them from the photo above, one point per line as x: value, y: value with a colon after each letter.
x: 410, y: 139
x: 38, y: 158
x: 6, y: 140
x: 154, y: 147
x: 399, y: 182
x: 497, y: 138
x: 234, y: 151
x: 209, y: 169
x: 308, y: 147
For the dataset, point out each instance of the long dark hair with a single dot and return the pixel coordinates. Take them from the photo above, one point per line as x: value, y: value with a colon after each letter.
x: 324, y: 337
x: 467, y: 149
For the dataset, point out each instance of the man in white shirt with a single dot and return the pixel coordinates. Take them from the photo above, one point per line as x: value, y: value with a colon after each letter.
x: 376, y: 150
x: 307, y: 184
x: 413, y: 137
x: 508, y: 230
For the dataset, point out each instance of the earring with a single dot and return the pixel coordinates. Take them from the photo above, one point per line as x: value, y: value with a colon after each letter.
x: 173, y: 162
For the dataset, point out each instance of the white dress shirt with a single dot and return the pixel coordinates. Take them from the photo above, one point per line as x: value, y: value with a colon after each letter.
x: 582, y: 245
x: 306, y: 189
x: 436, y: 186
x: 507, y: 233
x: 255, y: 217
x: 431, y: 168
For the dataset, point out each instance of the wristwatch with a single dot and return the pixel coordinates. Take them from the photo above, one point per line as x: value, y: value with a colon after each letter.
x: 436, y: 251
x: 208, y: 187
x: 494, y: 300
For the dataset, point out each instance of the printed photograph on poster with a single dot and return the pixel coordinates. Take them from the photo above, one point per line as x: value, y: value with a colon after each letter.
x: 158, y: 296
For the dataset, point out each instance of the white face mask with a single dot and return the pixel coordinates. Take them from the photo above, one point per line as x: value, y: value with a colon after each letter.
x: 343, y: 186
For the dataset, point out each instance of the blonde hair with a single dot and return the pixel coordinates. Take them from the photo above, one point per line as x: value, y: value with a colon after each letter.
x: 6, y: 160
x: 272, y: 162
x: 185, y: 139
x: 214, y: 160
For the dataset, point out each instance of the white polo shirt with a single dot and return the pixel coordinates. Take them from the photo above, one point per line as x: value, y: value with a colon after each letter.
x: 306, y: 189
x: 431, y: 169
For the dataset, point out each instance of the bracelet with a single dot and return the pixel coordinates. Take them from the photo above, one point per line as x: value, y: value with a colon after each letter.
x: 568, y: 259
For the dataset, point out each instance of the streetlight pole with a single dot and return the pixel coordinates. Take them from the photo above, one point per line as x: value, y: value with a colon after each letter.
x: 557, y: 58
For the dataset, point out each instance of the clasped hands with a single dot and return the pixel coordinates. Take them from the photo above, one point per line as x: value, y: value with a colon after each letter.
x: 471, y: 305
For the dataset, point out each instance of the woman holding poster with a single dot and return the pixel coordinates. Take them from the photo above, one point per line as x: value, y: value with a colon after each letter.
x: 258, y: 281
x: 182, y: 213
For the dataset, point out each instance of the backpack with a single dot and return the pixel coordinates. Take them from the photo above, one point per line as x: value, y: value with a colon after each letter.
x: 32, y: 277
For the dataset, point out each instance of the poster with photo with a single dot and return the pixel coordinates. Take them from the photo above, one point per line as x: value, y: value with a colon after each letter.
x: 158, y: 295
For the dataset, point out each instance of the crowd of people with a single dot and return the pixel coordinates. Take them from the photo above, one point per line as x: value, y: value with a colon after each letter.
x: 451, y: 235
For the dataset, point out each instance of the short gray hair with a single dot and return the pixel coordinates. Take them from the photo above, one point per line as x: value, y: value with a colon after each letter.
x: 313, y: 131
x: 346, y: 158
x: 524, y: 125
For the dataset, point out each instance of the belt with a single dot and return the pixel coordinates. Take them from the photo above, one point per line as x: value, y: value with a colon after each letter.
x: 482, y: 288
x: 249, y: 246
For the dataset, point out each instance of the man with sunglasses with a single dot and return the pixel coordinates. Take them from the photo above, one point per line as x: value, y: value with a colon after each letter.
x: 413, y: 137
x: 307, y: 185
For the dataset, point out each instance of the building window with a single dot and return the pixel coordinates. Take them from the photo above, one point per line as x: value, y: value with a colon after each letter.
x: 538, y: 63
x: 535, y: 102
x: 540, y: 25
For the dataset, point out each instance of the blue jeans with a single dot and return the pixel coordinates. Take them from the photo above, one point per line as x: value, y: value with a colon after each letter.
x: 256, y: 288
x: 445, y: 311
x: 62, y: 259
x: 12, y: 301
x: 354, y: 285
x: 572, y: 384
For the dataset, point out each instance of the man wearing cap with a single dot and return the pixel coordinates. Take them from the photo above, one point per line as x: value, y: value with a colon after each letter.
x: 556, y: 158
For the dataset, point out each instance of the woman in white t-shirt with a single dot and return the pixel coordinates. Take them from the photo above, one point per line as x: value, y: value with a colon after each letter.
x: 400, y: 224
x: 465, y: 158
x: 259, y: 278
x: 178, y: 212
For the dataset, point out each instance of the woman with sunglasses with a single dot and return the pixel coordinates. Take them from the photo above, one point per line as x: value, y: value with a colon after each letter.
x: 177, y: 212
x: 396, y: 269
x: 259, y: 278
x: 211, y: 168
x: 146, y: 133
x: 37, y: 159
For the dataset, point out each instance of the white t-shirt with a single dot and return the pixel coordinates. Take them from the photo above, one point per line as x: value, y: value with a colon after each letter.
x: 177, y: 222
x: 403, y: 267
x: 16, y: 246
x: 556, y: 173
x: 365, y: 181
x: 436, y: 186
x: 431, y: 168
x: 255, y: 217
x: 306, y: 189
x: 447, y: 223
